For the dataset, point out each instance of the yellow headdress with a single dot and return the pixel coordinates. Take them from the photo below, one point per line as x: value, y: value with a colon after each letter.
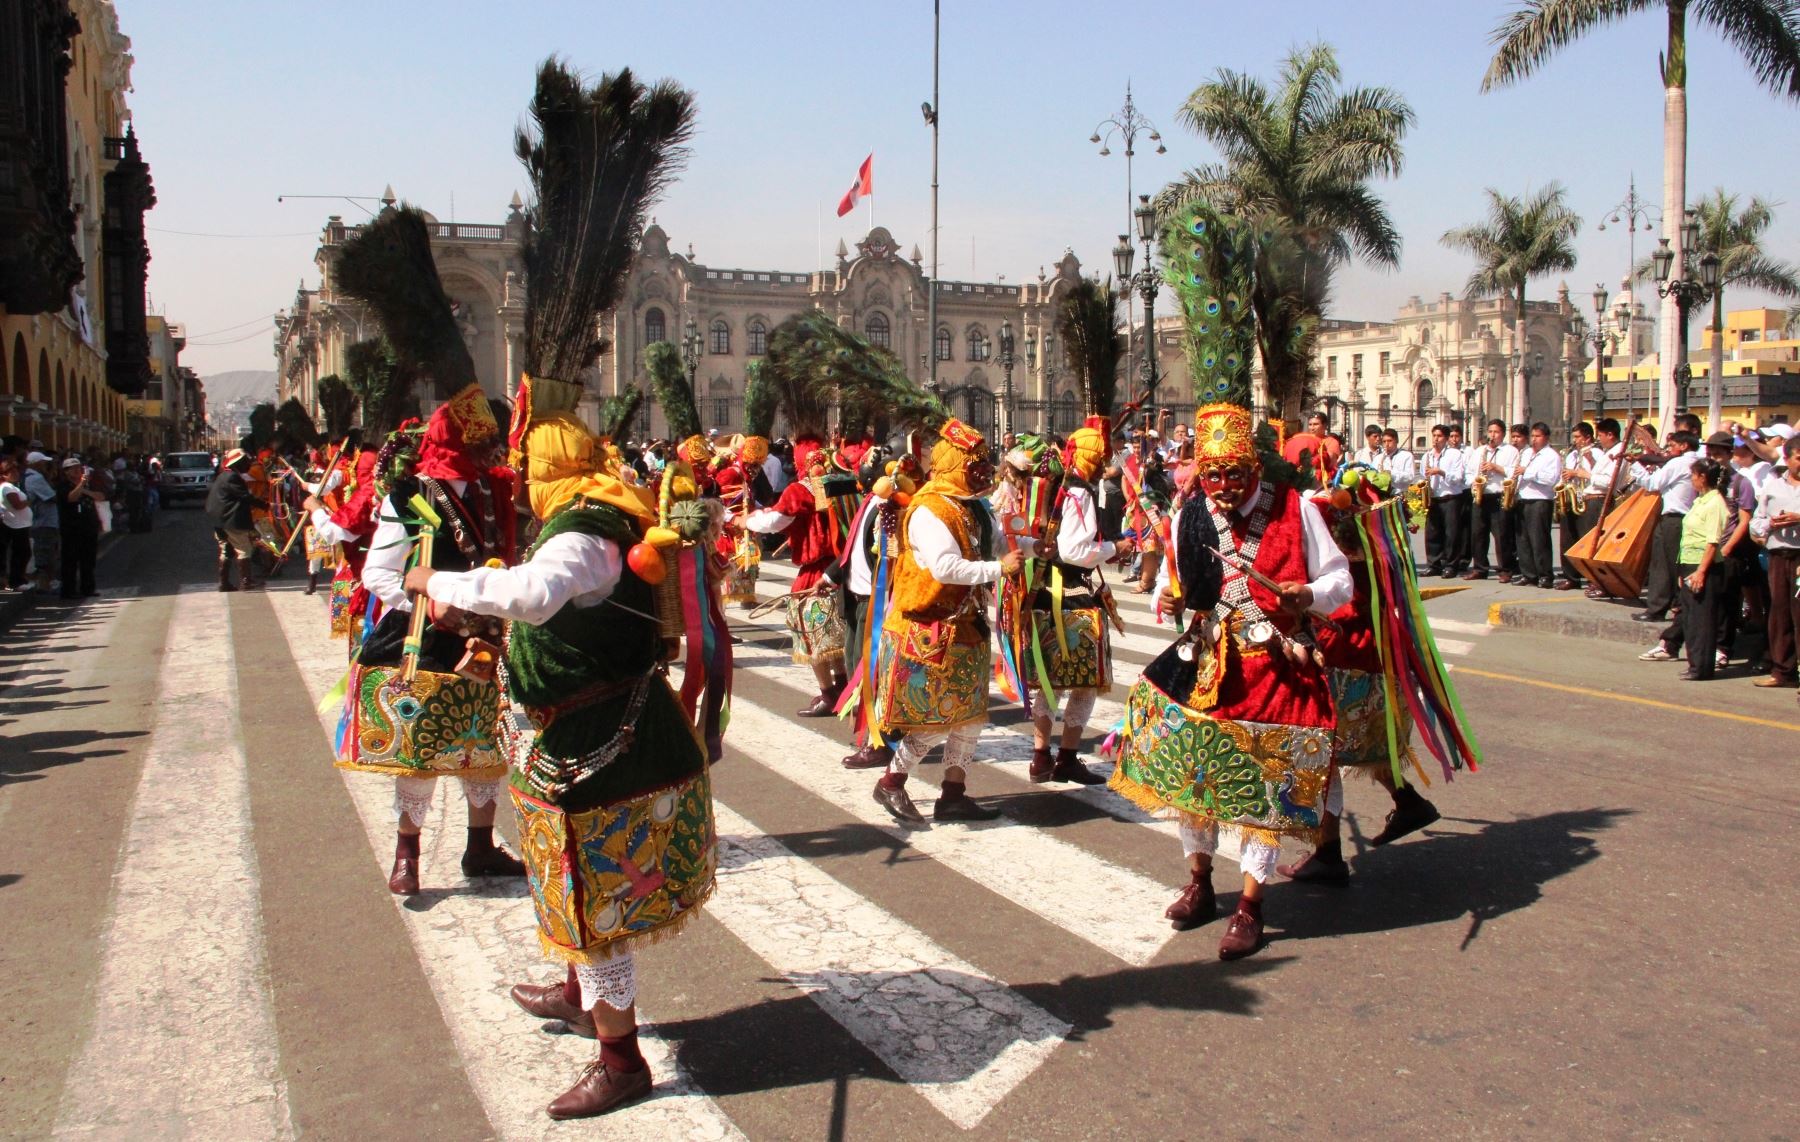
x: 560, y: 458
x: 1086, y: 449
x: 957, y: 445
x: 1223, y: 435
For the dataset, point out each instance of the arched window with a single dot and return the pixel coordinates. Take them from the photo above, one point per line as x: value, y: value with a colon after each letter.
x: 876, y: 327
x: 655, y: 325
x: 943, y: 343
x: 759, y: 339
x: 978, y: 345
x: 719, y: 338
x: 1425, y: 394
x: 720, y: 396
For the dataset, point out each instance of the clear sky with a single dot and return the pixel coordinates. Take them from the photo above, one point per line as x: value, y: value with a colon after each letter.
x: 240, y: 101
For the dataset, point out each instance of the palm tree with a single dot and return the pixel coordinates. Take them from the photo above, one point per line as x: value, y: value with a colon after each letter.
x: 1521, y: 239
x: 1765, y: 32
x: 1297, y: 161
x: 1734, y: 236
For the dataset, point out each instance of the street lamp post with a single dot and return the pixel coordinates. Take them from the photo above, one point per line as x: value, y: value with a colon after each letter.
x: 1688, y: 291
x: 1598, y: 339
x: 690, y: 354
x: 1031, y: 360
x: 1125, y: 126
x: 1006, y: 383
x: 1148, y: 281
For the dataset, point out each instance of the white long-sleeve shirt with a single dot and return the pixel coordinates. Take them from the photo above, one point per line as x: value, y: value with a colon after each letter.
x: 1078, y: 541
x: 1506, y: 456
x: 567, y: 568
x: 1399, y: 464
x: 1541, y: 473
x: 384, y: 570
x: 936, y: 550
x: 327, y: 531
x: 1450, y: 480
x: 1673, y: 483
x: 1606, y: 463
x: 1327, y: 571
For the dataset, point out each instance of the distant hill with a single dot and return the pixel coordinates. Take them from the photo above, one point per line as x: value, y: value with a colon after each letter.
x: 240, y: 384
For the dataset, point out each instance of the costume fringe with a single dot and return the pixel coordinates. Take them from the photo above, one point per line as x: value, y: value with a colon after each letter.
x: 486, y: 773
x: 618, y: 946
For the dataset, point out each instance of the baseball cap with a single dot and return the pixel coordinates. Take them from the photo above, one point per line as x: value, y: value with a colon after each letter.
x: 71, y: 462
x: 37, y: 458
x: 1778, y: 431
x: 1719, y: 440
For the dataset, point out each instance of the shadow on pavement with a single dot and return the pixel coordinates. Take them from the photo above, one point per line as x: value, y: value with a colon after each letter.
x: 798, y: 1044
x: 1483, y: 875
x: 23, y: 755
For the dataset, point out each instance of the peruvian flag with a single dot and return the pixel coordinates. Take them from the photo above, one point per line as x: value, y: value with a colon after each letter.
x: 864, y: 184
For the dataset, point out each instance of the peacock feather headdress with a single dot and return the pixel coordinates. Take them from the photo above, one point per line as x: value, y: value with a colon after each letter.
x: 1209, y: 258
x: 388, y: 266
x: 760, y: 402
x: 670, y: 389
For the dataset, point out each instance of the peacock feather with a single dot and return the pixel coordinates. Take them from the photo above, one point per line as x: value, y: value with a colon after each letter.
x: 669, y: 386
x: 760, y: 403
x: 387, y: 264
x: 1209, y: 258
x: 615, y: 413
x: 1087, y: 320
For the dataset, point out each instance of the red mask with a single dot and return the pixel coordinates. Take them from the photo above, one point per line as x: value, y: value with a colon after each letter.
x: 1226, y: 485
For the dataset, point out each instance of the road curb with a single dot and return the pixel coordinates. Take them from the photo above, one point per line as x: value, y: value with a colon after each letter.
x: 1568, y: 617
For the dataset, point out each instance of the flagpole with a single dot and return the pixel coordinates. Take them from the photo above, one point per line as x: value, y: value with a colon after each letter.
x: 932, y: 303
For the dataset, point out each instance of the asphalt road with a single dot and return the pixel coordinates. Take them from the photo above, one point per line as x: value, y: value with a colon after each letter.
x: 199, y: 941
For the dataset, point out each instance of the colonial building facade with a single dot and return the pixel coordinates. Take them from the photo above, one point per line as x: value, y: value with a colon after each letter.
x: 876, y: 292
x: 73, y: 259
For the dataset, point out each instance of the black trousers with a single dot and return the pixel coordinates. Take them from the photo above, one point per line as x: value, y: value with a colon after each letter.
x: 1465, y: 517
x: 1660, y: 586
x: 17, y: 544
x: 80, y: 547
x: 1495, y: 524
x: 1446, y: 548
x: 1534, y: 539
x: 1698, y: 625
x: 1573, y: 527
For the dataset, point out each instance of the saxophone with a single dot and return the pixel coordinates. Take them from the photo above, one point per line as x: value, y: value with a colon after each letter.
x: 1509, y: 489
x: 1480, y: 484
x: 1571, y: 493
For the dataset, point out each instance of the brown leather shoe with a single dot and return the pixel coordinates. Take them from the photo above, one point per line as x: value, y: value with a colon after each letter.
x: 1316, y: 870
x: 1196, y: 905
x: 870, y: 757
x: 898, y: 804
x: 1041, y: 766
x: 494, y: 862
x: 1069, y: 768
x: 1471, y: 575
x: 546, y: 1001
x: 1770, y: 682
x: 819, y: 707
x: 599, y: 1090
x: 1407, y: 817
x: 404, y: 880
x: 1242, y: 936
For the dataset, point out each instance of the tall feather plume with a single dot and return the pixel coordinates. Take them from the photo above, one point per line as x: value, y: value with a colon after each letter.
x: 669, y: 385
x: 795, y: 368
x: 598, y: 158
x: 760, y: 402
x: 387, y: 265
x: 1087, y: 320
x: 616, y: 412
x: 1209, y: 259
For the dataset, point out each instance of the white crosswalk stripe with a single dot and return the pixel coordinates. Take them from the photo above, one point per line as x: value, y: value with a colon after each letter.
x: 184, y: 1033
x: 958, y: 1036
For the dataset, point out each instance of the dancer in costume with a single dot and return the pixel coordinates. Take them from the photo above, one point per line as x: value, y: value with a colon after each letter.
x: 349, y: 527
x: 1071, y: 651
x: 1358, y: 672
x: 441, y: 720
x: 609, y: 778
x: 866, y: 578
x: 933, y: 660
x: 739, y: 476
x: 813, y: 514
x: 1230, y: 729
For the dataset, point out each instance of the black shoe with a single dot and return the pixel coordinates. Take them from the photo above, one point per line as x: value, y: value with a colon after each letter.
x: 491, y: 862
x: 1069, y: 768
x: 898, y: 804
x: 1409, y: 816
x: 963, y: 808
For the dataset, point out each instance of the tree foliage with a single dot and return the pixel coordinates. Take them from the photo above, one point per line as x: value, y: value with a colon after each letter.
x: 1521, y: 238
x: 1297, y: 160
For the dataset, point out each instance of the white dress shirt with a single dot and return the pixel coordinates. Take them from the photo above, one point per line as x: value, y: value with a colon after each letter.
x: 567, y: 568
x: 1672, y: 482
x: 327, y: 531
x: 1450, y: 480
x: 1078, y: 541
x: 1542, y: 472
x: 1327, y: 571
x: 1369, y: 456
x: 384, y: 569
x: 1399, y: 464
x: 767, y: 521
x: 1606, y: 463
x: 936, y: 550
x: 1506, y: 456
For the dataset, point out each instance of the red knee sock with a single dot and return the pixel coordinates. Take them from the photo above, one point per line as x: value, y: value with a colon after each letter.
x: 1250, y: 908
x: 572, y: 988
x: 621, y: 1054
x: 955, y: 789
x: 893, y: 781
x: 481, y: 839
x: 406, y: 846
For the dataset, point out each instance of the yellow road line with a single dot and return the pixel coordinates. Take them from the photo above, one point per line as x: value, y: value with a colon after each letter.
x: 1652, y: 702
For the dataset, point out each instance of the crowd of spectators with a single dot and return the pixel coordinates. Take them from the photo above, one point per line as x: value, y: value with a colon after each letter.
x: 56, y: 504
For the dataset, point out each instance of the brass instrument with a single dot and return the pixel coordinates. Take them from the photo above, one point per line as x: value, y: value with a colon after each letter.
x: 1509, y: 488
x: 1480, y: 484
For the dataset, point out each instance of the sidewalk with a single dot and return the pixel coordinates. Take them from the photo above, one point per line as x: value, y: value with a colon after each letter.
x: 1530, y: 608
x: 15, y: 604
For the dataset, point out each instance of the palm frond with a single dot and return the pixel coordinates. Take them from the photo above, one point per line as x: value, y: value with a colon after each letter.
x: 1766, y: 34
x: 814, y: 363
x: 387, y: 265
x: 1538, y: 29
x: 669, y: 386
x: 616, y: 412
x: 598, y: 157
